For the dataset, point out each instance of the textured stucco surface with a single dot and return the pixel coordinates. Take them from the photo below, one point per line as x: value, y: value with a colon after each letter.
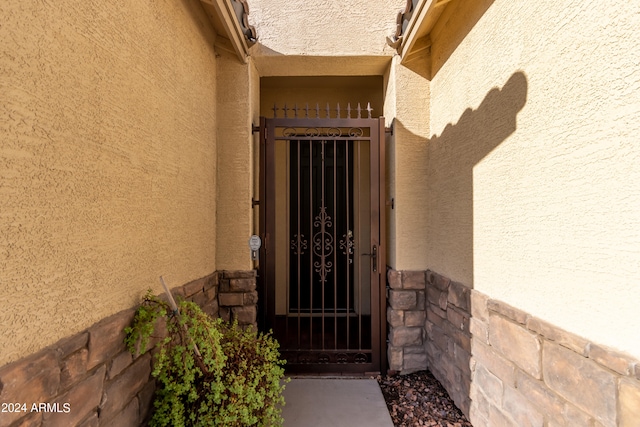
x: 326, y: 37
x: 325, y: 27
x: 407, y: 109
x: 107, y: 160
x: 235, y: 112
x: 534, y: 154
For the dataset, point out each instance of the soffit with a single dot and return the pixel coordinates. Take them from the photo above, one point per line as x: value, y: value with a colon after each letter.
x: 298, y: 65
x: 230, y: 21
x: 414, y: 25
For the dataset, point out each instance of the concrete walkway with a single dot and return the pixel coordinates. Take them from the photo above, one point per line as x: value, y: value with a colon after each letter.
x: 334, y: 402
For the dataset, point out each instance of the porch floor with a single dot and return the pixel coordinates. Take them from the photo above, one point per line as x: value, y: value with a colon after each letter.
x: 334, y: 402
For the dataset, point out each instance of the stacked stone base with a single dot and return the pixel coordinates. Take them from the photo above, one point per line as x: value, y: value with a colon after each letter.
x: 238, y: 297
x: 90, y: 379
x: 406, y: 317
x: 527, y: 372
x: 505, y: 367
x: 448, y: 342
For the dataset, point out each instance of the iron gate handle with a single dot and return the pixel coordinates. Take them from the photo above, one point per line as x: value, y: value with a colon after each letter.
x: 374, y: 257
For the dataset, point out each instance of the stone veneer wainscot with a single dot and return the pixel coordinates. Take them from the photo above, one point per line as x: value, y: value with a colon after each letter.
x: 505, y: 367
x: 93, y: 371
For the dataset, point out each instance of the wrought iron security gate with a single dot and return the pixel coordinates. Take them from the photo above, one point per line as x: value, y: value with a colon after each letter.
x: 322, y: 264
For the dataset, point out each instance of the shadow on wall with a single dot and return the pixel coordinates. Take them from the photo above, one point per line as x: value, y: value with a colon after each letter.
x: 451, y: 158
x: 457, y: 21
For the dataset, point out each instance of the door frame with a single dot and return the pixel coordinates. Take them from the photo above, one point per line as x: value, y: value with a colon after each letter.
x: 267, y: 218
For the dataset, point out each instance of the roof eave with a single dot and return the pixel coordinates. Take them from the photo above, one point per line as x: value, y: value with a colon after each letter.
x: 230, y: 35
x: 416, y: 39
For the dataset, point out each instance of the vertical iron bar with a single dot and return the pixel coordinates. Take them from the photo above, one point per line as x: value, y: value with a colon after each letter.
x: 322, y: 231
x: 287, y: 145
x: 335, y: 243
x: 311, y: 241
x: 360, y: 266
x: 269, y: 295
x: 299, y: 167
x: 352, y: 237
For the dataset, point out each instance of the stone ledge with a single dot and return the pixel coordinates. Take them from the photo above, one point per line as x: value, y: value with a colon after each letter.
x: 614, y: 360
x: 508, y: 311
x: 553, y: 333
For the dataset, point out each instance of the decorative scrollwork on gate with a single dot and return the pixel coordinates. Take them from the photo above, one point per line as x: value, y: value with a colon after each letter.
x: 347, y: 245
x: 356, y: 132
x: 299, y: 244
x: 305, y: 358
x: 334, y: 132
x: 323, y: 244
x: 311, y: 132
x: 361, y: 358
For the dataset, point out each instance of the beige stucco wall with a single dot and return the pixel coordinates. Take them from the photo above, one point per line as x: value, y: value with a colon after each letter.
x: 327, y: 37
x: 533, y: 160
x: 236, y: 113
x: 107, y: 160
x: 406, y: 109
x: 325, y: 27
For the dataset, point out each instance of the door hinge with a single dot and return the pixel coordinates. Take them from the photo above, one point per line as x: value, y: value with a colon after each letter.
x: 374, y: 258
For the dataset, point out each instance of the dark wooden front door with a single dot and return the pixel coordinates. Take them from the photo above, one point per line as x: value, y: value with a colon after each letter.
x: 322, y: 264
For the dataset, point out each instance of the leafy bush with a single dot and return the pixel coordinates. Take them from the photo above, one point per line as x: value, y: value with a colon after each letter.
x: 209, y: 372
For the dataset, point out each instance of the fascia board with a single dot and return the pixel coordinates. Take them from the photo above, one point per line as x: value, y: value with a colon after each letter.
x: 224, y: 10
x: 422, y: 22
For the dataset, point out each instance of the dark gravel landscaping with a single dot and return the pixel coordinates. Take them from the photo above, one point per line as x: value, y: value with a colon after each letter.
x: 418, y: 399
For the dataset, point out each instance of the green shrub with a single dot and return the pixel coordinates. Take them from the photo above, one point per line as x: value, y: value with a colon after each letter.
x: 232, y: 379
